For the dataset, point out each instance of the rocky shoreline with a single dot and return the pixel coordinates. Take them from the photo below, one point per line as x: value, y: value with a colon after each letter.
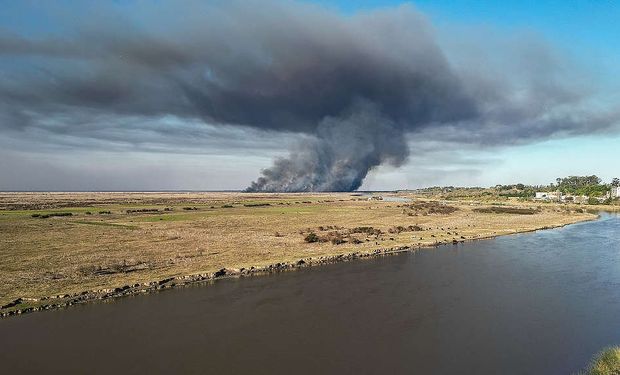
x: 27, y: 305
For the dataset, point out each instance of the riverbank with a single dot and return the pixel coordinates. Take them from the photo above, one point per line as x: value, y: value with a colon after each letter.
x: 62, y: 249
x: 607, y: 362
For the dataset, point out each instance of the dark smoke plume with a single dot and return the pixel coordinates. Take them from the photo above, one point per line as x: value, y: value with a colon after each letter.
x: 340, y: 156
x: 355, y: 86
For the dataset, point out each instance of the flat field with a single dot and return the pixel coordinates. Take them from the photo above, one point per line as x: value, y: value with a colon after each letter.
x: 62, y: 243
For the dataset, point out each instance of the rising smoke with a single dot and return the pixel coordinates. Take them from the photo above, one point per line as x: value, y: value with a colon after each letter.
x: 354, y: 86
x: 338, y: 159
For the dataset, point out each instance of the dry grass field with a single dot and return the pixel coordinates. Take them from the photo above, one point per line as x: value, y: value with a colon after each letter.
x: 56, y: 243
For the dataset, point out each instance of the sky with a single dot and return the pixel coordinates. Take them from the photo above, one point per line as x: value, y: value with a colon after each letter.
x: 375, y: 95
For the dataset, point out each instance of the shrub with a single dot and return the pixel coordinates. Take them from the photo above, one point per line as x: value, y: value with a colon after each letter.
x: 143, y: 210
x: 52, y: 214
x: 256, y: 204
x: 400, y: 229
x: 397, y: 229
x: 328, y: 227
x: 105, y: 212
x: 335, y: 238
x: 227, y: 206
x: 311, y: 237
x: 429, y: 208
x: 367, y: 230
x: 506, y: 210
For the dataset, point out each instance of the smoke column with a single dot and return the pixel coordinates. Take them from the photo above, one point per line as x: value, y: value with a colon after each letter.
x: 338, y: 159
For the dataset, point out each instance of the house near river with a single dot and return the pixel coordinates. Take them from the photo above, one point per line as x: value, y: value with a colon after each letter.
x: 557, y: 196
x: 548, y: 195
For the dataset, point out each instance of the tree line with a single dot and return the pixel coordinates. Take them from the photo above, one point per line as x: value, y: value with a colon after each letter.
x: 591, y: 186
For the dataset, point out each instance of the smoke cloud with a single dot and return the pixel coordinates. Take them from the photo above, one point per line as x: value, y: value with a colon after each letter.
x: 355, y: 86
x: 341, y: 155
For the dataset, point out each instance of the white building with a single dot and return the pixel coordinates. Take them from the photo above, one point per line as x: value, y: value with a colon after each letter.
x: 547, y: 196
x: 615, y: 191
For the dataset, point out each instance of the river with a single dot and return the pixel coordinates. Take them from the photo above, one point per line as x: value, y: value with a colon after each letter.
x: 534, y: 303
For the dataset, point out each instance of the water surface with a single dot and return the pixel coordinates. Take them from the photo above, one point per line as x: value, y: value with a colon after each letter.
x: 536, y: 303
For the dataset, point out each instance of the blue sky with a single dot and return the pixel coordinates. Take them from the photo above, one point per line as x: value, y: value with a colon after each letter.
x: 585, y: 31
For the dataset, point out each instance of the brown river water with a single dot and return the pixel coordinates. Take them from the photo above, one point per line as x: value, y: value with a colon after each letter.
x: 535, y: 303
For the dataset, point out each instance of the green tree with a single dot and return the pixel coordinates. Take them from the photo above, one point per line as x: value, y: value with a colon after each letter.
x: 586, y: 185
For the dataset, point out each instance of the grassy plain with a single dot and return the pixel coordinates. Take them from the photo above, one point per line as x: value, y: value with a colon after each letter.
x: 116, y: 239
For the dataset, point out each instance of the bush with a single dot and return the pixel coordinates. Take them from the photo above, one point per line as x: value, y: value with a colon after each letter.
x: 367, y: 230
x: 140, y: 210
x: 334, y: 237
x: 506, y: 210
x: 328, y: 227
x: 397, y: 229
x: 400, y: 229
x: 311, y: 237
x: 52, y: 214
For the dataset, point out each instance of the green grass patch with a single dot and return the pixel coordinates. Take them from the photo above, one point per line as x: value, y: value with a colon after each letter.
x: 172, y: 217
x: 29, y: 213
x: 106, y: 224
x: 606, y: 362
x: 290, y: 209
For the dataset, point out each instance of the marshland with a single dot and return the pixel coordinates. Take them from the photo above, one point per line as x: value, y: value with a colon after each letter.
x: 76, y: 247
